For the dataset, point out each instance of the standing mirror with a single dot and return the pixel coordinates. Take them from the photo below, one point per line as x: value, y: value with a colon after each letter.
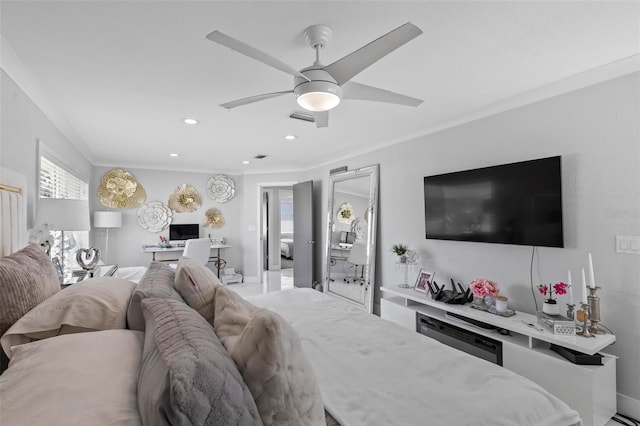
x: 351, y: 235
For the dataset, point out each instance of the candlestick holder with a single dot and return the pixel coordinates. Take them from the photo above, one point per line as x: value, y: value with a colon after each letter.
x: 594, y: 310
x: 570, y: 313
x: 585, y: 328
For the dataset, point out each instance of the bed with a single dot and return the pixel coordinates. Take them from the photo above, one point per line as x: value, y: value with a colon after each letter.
x: 286, y: 247
x: 374, y: 372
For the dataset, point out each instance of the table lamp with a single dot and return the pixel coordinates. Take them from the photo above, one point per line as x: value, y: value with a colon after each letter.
x: 107, y: 220
x: 58, y: 214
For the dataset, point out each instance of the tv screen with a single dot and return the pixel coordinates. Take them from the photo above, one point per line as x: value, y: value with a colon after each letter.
x: 518, y: 203
x: 184, y: 231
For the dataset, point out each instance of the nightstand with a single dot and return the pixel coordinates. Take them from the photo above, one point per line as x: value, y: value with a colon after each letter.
x: 82, y: 274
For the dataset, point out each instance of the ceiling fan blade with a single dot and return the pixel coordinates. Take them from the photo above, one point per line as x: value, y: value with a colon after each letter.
x: 353, y: 90
x: 345, y: 68
x: 252, y: 52
x: 252, y: 99
x: 321, y: 118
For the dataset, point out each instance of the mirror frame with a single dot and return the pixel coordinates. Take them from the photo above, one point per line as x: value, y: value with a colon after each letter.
x: 373, y: 173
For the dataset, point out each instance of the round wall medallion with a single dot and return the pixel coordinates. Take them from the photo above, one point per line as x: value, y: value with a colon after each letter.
x: 213, y: 218
x: 345, y: 213
x: 119, y: 189
x: 154, y: 216
x: 221, y: 188
x: 185, y: 199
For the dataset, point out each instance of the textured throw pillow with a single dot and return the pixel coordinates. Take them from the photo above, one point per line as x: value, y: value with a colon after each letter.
x: 186, y: 375
x: 94, y: 304
x: 268, y: 353
x: 27, y: 277
x: 156, y: 282
x: 197, y: 285
x: 76, y: 379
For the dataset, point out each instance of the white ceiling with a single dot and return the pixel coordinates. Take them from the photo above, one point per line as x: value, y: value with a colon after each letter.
x: 123, y: 75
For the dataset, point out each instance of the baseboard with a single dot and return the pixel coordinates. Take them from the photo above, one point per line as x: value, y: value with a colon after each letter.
x: 628, y: 406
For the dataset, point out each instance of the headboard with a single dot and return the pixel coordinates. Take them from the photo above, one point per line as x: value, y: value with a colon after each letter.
x: 13, y: 211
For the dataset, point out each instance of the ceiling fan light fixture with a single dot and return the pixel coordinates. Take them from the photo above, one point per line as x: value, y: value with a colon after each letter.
x: 318, y: 96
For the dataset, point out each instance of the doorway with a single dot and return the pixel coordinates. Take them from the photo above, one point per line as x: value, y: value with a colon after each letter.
x: 286, y: 244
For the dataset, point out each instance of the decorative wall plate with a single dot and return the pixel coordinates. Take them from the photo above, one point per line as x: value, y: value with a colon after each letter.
x: 221, y: 188
x: 154, y: 216
x: 119, y: 189
x: 185, y: 199
x: 213, y: 218
x: 359, y: 227
x: 345, y: 213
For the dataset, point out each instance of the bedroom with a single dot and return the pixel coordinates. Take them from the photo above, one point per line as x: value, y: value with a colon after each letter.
x: 537, y: 92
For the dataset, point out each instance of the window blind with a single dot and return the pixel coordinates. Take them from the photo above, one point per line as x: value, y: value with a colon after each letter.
x: 57, y: 182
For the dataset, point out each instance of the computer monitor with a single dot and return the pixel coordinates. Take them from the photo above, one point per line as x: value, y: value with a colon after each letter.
x: 183, y: 231
x: 347, y: 237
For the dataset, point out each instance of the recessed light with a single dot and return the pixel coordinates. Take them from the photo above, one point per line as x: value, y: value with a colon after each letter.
x: 190, y: 121
x: 290, y: 137
x: 174, y: 155
x: 246, y: 162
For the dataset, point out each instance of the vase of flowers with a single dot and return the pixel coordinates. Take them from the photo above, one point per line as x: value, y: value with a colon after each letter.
x: 550, y: 305
x: 482, y: 290
x: 401, y: 251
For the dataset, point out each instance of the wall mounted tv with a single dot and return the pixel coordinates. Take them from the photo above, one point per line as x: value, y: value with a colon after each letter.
x: 517, y: 203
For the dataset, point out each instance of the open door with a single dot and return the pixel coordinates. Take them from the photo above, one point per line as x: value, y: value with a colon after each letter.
x: 303, y: 241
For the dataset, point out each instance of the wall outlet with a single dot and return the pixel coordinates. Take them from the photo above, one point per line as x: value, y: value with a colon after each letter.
x: 627, y: 244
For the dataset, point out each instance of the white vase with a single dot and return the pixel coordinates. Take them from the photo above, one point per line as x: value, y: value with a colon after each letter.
x: 551, y: 308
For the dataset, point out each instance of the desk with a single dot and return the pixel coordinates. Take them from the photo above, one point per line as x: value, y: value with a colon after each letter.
x: 219, y: 261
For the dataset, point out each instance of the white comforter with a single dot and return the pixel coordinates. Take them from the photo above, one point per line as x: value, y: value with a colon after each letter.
x: 374, y: 372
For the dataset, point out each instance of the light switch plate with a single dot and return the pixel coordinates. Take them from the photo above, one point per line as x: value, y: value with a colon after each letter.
x: 627, y: 244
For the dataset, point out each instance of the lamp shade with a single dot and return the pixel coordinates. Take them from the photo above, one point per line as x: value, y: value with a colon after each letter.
x: 63, y: 215
x: 107, y: 219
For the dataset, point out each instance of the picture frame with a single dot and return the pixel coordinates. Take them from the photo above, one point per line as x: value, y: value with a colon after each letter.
x: 423, y: 281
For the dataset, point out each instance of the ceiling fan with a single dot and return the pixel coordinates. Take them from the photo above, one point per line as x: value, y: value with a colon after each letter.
x: 319, y: 88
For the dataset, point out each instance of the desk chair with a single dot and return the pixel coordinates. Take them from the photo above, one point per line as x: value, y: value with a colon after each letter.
x: 357, y: 257
x: 198, y: 249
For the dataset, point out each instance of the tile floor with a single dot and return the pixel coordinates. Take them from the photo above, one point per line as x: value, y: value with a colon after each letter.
x: 271, y: 281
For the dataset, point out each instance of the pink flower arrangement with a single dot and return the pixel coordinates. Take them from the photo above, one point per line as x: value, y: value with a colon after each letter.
x: 481, y: 287
x: 557, y: 288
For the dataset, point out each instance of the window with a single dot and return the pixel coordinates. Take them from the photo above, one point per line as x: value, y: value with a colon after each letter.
x: 56, y: 181
x: 286, y: 211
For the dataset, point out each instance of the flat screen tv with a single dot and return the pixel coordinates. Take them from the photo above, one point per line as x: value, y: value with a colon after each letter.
x: 517, y: 203
x: 184, y: 231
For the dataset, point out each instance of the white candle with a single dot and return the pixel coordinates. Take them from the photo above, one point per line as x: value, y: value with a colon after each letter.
x: 570, y: 288
x: 592, y: 281
x: 584, y: 288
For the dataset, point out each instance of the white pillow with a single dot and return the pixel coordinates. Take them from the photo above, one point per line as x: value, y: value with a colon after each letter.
x: 94, y: 304
x: 76, y: 379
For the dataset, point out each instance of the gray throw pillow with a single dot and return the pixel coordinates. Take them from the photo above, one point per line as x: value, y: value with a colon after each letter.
x: 186, y: 375
x: 27, y: 278
x: 156, y: 282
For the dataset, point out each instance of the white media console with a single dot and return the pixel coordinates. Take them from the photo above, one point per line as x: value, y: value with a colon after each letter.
x: 588, y: 389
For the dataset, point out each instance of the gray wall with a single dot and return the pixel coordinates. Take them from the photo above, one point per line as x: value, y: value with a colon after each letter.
x: 23, y: 123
